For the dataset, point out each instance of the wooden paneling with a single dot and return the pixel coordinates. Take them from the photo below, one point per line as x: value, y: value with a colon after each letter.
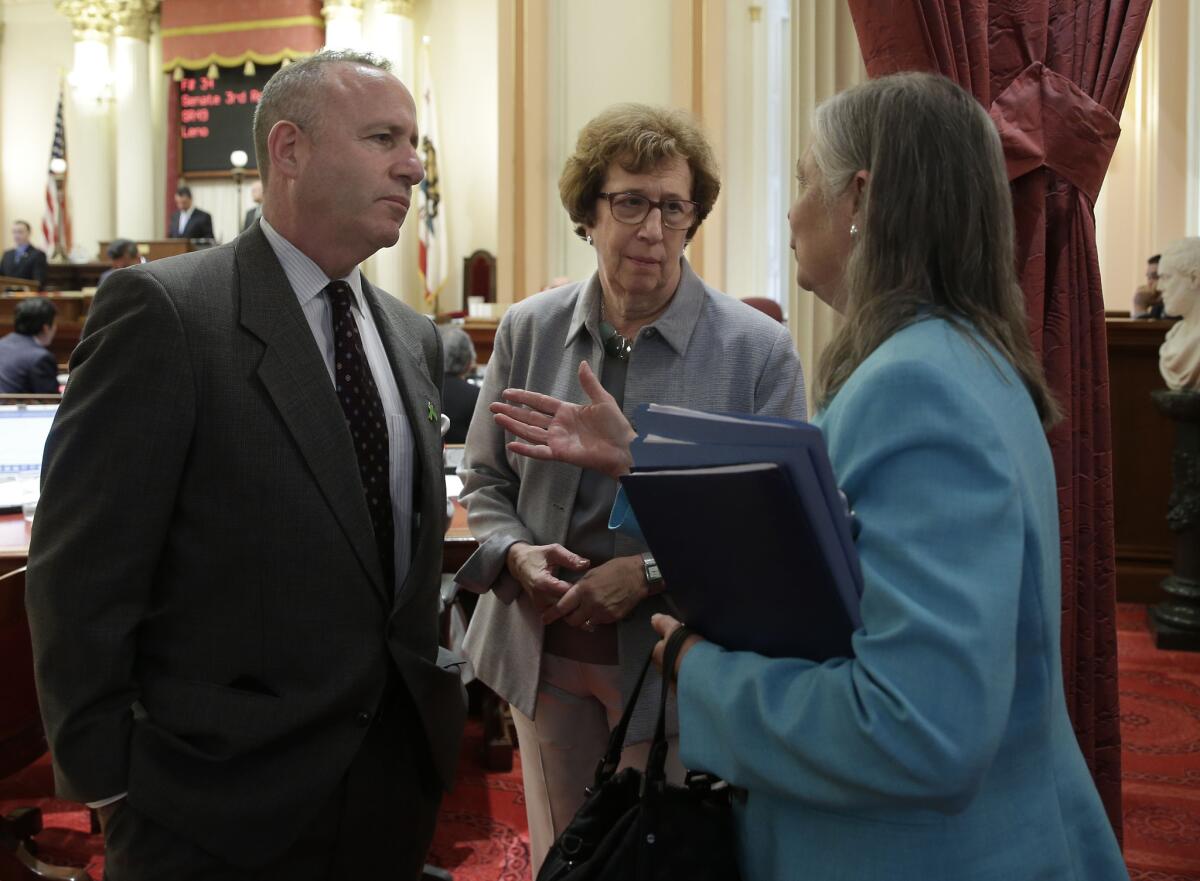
x: 74, y: 276
x: 1143, y: 439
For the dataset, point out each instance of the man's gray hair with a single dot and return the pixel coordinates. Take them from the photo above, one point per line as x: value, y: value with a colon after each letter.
x: 293, y: 93
x: 458, y: 352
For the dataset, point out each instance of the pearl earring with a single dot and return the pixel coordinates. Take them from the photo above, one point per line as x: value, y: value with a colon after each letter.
x: 853, y: 230
x: 588, y: 239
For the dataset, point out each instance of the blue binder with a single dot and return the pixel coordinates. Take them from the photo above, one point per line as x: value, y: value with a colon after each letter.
x: 744, y: 516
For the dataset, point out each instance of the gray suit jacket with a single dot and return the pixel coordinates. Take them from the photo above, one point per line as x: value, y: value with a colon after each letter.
x: 212, y: 632
x: 707, y: 351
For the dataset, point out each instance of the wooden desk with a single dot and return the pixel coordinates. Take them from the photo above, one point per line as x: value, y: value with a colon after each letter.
x: 10, y: 282
x: 74, y: 276
x: 14, y: 542
x: 482, y: 332
x: 155, y: 249
x: 1143, y: 439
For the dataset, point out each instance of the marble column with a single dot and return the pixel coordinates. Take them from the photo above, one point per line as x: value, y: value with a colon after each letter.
x: 391, y: 35
x: 88, y: 130
x: 134, y: 118
x: 343, y: 24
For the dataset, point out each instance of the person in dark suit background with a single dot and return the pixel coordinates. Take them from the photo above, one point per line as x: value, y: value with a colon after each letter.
x: 23, y: 260
x: 252, y: 214
x: 235, y: 625
x: 188, y: 221
x: 27, y: 367
x: 458, y: 395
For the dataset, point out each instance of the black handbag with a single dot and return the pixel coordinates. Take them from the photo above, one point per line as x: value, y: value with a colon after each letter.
x: 635, y: 826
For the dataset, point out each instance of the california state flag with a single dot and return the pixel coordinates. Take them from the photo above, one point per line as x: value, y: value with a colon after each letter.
x: 432, y: 258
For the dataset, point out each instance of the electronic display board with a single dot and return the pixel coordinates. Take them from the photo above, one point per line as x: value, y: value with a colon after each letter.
x: 216, y: 117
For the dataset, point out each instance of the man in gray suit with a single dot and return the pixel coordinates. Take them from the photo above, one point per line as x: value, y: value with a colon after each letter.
x: 233, y: 580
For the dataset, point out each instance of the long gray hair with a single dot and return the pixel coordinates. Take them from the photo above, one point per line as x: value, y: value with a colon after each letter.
x: 936, y: 223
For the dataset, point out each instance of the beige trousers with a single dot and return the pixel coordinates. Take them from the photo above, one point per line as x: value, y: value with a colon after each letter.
x: 578, y: 705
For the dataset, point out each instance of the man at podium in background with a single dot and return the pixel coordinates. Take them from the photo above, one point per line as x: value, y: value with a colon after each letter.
x: 188, y: 221
x: 23, y: 260
x: 234, y: 568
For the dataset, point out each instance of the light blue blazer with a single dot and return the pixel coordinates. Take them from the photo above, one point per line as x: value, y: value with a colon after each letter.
x: 943, y: 749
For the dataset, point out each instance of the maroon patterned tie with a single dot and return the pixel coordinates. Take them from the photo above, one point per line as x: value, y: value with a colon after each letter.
x: 359, y: 396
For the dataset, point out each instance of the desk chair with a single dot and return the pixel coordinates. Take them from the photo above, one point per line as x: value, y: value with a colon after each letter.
x: 479, y: 277
x: 22, y: 740
x: 765, y: 305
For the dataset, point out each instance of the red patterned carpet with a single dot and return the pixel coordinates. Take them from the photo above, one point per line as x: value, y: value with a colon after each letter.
x: 1160, y: 756
x: 481, y: 833
x: 482, y: 836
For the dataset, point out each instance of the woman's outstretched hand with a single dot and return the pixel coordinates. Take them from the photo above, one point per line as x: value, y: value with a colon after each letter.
x: 595, y: 435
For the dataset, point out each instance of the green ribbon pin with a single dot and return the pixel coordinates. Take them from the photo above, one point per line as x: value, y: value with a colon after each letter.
x: 432, y: 411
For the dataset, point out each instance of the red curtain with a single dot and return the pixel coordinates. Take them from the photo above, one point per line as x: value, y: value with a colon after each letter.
x: 1053, y: 75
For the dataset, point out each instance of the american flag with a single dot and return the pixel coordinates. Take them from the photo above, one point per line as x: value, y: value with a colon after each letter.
x: 54, y: 199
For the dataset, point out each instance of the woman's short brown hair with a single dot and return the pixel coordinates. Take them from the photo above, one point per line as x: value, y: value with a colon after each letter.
x: 640, y: 138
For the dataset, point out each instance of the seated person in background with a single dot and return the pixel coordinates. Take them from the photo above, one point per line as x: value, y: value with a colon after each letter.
x: 27, y: 367
x: 121, y: 253
x: 23, y: 260
x: 1147, y: 299
x: 458, y: 395
x: 252, y: 214
x: 189, y: 222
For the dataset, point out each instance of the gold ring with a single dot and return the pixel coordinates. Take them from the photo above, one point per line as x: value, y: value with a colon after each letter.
x: 588, y: 626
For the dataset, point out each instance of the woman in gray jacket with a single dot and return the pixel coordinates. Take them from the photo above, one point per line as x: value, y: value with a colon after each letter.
x: 562, y: 626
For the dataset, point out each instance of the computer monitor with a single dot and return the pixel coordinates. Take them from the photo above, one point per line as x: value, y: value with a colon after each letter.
x: 23, y: 430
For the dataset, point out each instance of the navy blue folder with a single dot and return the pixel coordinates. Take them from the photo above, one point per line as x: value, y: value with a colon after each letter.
x: 754, y: 540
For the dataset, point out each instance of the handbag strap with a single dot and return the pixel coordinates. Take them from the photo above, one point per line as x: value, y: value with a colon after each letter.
x: 616, y: 740
x: 656, y: 763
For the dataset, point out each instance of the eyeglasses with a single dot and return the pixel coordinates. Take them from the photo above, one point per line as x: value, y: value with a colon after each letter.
x: 633, y: 208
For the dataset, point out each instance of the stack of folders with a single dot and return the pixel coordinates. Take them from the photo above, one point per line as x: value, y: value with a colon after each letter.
x: 744, y: 517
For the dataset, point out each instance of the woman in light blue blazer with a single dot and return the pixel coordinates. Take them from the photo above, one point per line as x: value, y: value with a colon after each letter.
x: 942, y: 749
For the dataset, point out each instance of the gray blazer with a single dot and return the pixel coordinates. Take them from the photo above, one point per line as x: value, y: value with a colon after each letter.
x: 707, y: 351
x: 212, y: 631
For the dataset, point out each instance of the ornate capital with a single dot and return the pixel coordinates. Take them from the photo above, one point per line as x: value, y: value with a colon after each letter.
x: 132, y: 18
x: 332, y: 9
x: 90, y: 19
x: 396, y: 7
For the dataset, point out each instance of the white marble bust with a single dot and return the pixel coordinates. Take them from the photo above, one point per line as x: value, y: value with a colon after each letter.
x: 1179, y: 281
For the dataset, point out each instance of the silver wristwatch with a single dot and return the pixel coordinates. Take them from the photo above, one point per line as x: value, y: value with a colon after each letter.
x: 650, y: 568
